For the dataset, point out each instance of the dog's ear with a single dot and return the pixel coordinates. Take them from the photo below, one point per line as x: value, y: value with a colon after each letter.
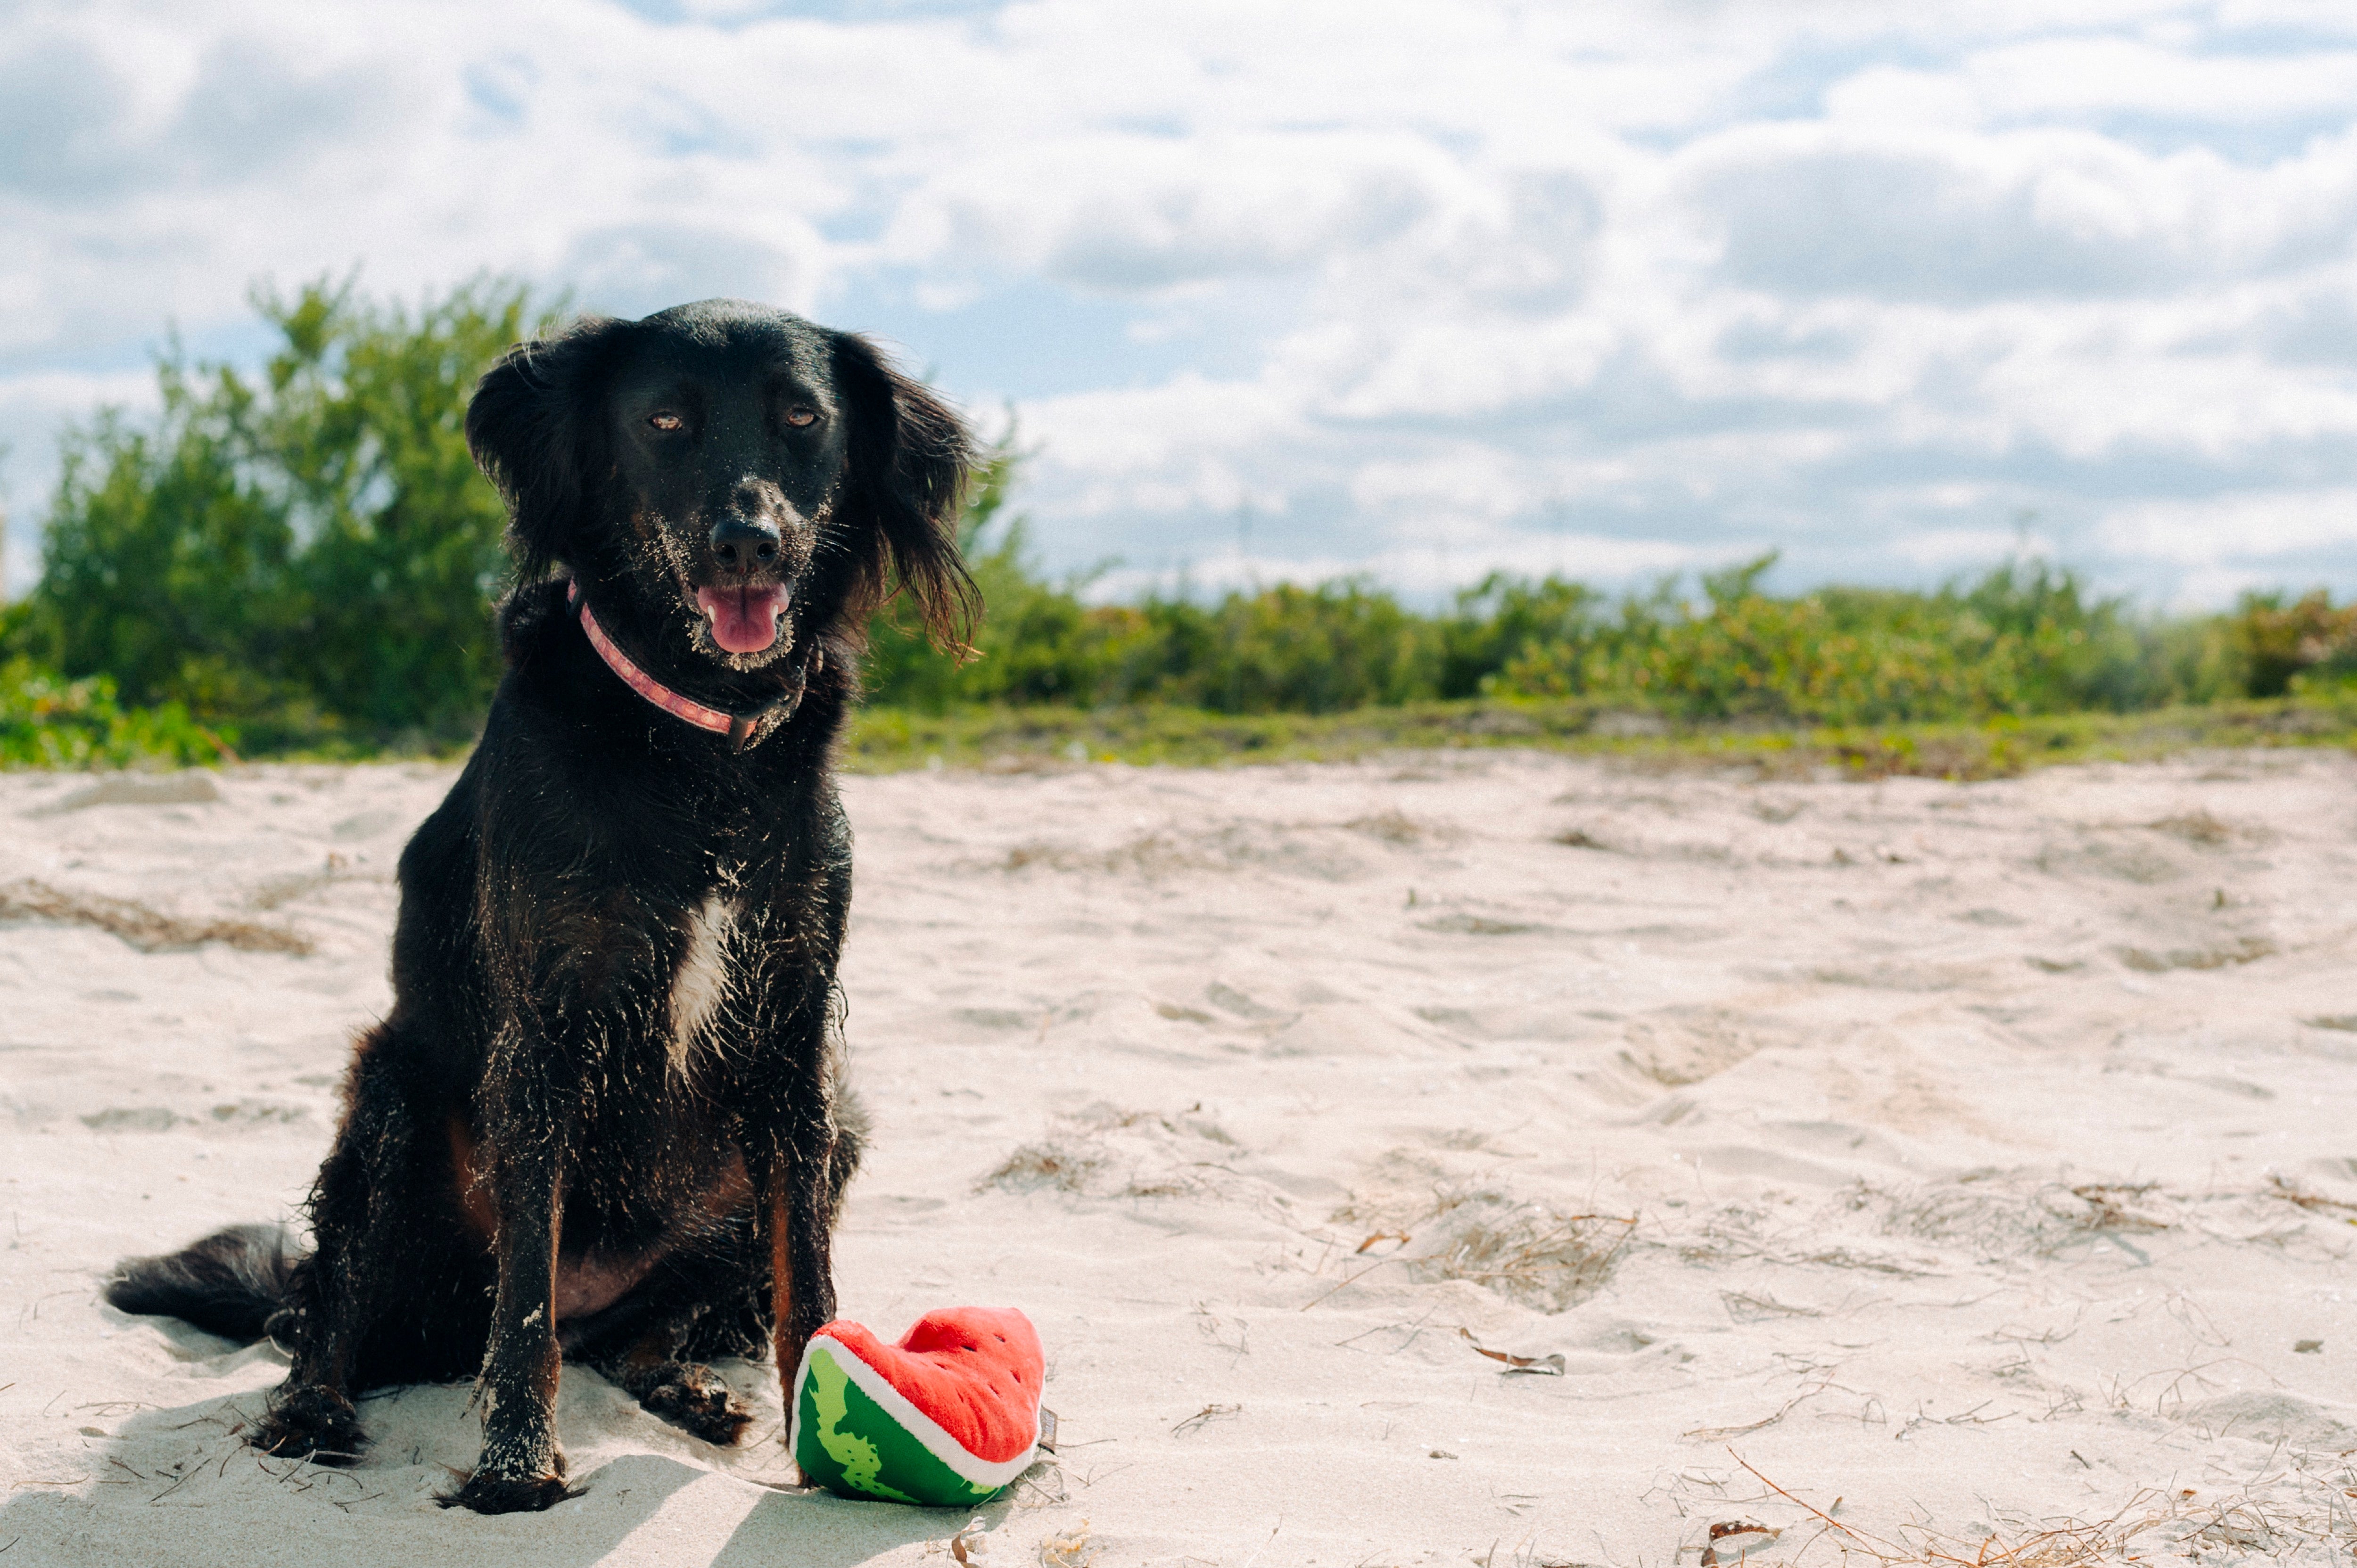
x: 910, y: 458
x: 532, y: 425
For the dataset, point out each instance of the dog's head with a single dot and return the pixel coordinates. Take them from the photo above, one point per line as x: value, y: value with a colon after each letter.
x: 738, y: 470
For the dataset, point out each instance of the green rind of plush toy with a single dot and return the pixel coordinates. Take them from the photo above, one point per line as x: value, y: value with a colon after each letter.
x: 850, y: 1446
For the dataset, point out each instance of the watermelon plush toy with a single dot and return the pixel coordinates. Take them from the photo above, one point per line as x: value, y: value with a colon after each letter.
x: 946, y: 1418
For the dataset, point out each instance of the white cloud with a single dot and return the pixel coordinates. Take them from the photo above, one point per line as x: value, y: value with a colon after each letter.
x: 1956, y: 219
x: 1948, y: 549
x: 1415, y: 286
x: 2248, y: 528
x: 2092, y: 78
x: 1142, y: 212
x: 1430, y: 573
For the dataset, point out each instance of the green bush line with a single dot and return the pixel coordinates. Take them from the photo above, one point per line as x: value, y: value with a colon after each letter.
x: 304, y: 563
x: 886, y: 740
x: 2025, y: 638
x: 47, y: 721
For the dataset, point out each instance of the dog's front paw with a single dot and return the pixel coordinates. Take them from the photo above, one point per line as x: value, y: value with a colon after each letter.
x: 692, y: 1399
x: 310, y: 1420
x: 486, y: 1493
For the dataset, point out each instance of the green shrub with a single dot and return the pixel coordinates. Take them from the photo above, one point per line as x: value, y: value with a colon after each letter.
x: 1499, y: 617
x: 48, y: 721
x: 317, y: 542
x: 2289, y: 647
x: 310, y: 554
x: 2023, y: 640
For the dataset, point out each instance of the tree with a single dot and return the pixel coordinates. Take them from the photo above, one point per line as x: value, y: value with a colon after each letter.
x: 166, y: 560
x: 319, y: 538
x: 402, y: 559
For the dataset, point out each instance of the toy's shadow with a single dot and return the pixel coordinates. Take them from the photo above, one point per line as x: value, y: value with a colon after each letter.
x: 826, y: 1532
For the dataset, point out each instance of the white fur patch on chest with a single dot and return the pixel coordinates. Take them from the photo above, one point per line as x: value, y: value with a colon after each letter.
x: 701, y: 986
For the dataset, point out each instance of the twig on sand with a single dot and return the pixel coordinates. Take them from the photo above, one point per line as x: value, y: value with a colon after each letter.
x: 2244, y: 1523
x: 2314, y: 1202
x: 1414, y: 1330
x: 150, y: 930
x: 185, y: 1477
x: 201, y: 1421
x: 1031, y: 1493
x: 1208, y: 1413
x: 1353, y: 1280
x: 1706, y: 1433
x: 1829, y: 1521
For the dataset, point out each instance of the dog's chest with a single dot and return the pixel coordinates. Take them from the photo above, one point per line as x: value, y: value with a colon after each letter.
x: 710, y: 967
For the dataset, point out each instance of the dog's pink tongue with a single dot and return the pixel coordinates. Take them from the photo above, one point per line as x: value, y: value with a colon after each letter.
x: 744, y: 621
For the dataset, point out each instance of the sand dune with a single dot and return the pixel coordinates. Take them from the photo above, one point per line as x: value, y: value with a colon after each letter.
x: 1965, y: 1160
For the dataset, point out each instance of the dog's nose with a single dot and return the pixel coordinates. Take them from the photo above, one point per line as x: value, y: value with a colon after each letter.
x: 742, y: 543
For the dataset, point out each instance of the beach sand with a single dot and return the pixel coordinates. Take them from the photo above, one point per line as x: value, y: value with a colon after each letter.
x: 1906, y: 1167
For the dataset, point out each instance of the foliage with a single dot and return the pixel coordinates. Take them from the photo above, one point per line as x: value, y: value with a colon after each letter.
x: 47, y: 721
x: 1003, y: 739
x: 402, y: 556
x: 309, y: 554
x: 2025, y: 638
x: 1338, y: 645
x: 316, y: 543
x: 2297, y: 646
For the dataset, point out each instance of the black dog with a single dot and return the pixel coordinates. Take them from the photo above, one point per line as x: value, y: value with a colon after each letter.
x: 606, y: 1118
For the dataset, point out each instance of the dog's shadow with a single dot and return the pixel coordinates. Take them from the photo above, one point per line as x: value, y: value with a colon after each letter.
x: 115, y: 1482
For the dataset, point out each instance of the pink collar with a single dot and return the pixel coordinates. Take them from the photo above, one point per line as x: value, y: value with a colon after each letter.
x: 744, y: 731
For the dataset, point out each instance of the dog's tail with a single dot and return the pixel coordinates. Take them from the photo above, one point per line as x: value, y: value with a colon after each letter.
x: 230, y: 1283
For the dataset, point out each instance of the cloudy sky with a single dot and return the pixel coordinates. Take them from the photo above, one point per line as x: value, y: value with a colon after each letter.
x: 1295, y: 288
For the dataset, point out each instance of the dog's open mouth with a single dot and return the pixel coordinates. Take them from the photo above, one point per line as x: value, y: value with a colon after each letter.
x: 744, y: 621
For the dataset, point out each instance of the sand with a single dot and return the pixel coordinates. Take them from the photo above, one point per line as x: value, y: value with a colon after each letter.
x: 1967, y: 1161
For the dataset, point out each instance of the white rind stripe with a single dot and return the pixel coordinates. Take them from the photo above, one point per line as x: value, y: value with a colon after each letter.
x: 977, y: 1472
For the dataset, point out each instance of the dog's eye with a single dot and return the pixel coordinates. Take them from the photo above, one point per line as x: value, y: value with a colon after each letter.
x: 799, y: 416
x: 665, y: 420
